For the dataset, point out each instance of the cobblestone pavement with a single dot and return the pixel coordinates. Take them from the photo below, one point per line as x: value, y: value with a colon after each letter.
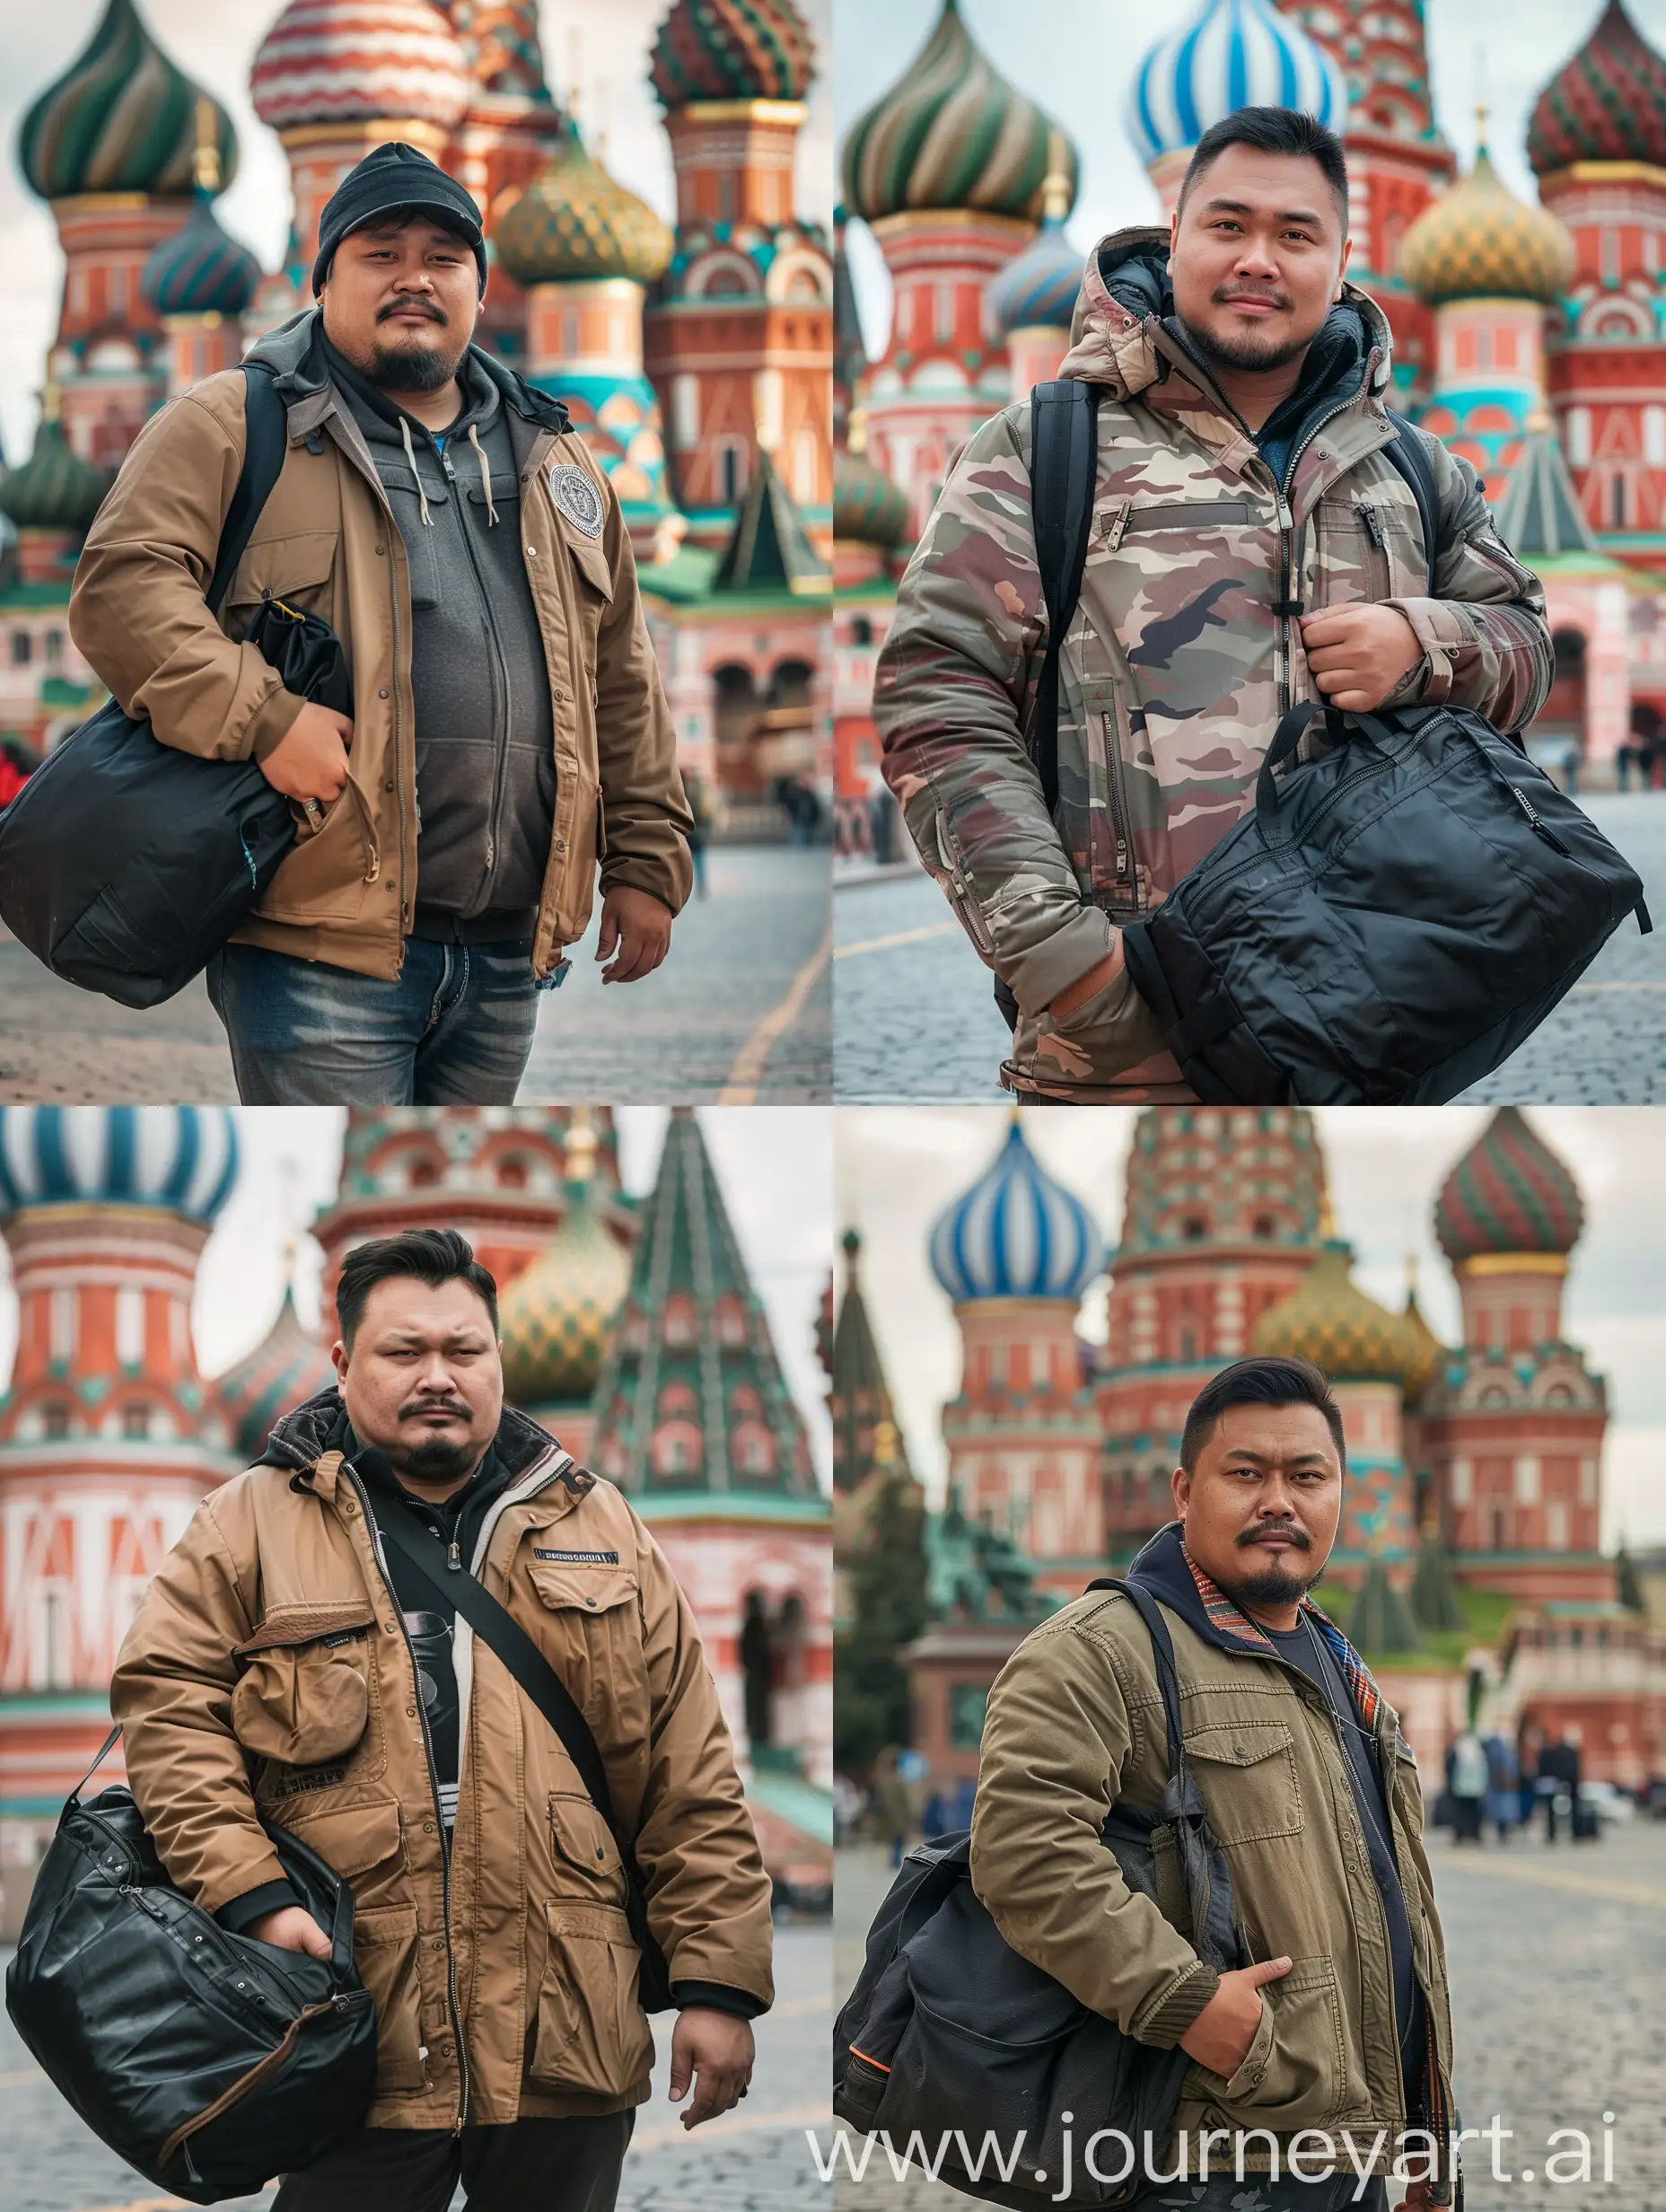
x: 741, y: 1005
x: 1557, y: 1959
x: 913, y: 1019
x: 753, y: 2159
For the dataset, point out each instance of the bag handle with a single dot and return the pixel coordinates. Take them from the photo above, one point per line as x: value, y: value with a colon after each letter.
x: 266, y: 444
x: 1286, y: 737
x: 105, y: 1749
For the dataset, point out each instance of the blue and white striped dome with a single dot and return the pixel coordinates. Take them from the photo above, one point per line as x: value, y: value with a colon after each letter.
x: 183, y: 1158
x: 1016, y: 1233
x: 1231, y: 54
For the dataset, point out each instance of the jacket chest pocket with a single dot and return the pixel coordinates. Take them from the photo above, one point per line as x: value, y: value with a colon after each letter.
x: 1247, y: 1773
x: 586, y: 1857
x: 591, y: 1634
x: 590, y: 577
x: 295, y: 569
x: 307, y: 1690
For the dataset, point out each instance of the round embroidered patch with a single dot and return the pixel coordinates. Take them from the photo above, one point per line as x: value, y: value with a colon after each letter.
x: 576, y: 495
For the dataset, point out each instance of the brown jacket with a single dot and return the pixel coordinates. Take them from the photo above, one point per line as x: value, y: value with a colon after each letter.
x: 506, y: 1986
x: 1076, y: 1725
x: 326, y: 541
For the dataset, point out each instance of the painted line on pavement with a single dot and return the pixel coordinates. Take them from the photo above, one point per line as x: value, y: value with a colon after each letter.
x: 737, y: 2123
x: 1619, y: 985
x: 1557, y: 1878
x: 16, y: 2081
x: 741, y: 1085
x: 898, y: 936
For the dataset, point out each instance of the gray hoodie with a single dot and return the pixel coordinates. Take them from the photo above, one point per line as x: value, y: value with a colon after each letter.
x: 486, y: 776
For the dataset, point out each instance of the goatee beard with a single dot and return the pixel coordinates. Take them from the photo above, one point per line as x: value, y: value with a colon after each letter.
x: 1248, y: 353
x: 1268, y: 1585
x: 434, y: 1460
x: 421, y: 368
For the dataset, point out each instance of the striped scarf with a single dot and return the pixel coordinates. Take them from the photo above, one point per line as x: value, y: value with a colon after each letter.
x: 1230, y: 1620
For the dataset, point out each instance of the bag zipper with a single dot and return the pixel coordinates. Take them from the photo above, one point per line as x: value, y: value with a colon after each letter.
x: 247, y: 2084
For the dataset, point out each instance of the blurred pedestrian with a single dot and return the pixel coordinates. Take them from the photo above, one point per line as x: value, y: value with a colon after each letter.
x: 1504, y: 1793
x: 1466, y: 1778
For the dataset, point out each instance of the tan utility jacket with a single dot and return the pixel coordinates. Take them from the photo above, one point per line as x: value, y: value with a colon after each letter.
x: 1074, y: 1725
x: 267, y: 1674
x: 327, y: 542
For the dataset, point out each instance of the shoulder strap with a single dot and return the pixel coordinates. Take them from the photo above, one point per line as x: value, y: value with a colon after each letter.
x: 1409, y: 454
x: 266, y: 443
x: 1063, y: 468
x: 1162, y: 1652
x: 504, y: 1635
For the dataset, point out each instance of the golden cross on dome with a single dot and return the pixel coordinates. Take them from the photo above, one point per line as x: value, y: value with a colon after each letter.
x: 205, y: 161
x: 1055, y: 184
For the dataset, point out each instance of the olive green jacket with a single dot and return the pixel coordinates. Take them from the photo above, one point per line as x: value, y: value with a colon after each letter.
x: 1074, y: 1725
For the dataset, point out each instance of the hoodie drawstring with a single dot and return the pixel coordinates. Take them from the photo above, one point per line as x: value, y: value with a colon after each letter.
x: 486, y: 477
x: 410, y: 455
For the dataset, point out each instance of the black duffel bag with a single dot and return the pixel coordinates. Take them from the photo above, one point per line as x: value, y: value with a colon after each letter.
x: 951, y: 2032
x: 1388, y: 925
x: 125, y: 863
x: 207, y: 2060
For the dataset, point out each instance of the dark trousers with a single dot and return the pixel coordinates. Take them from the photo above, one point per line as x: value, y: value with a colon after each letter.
x: 530, y: 2166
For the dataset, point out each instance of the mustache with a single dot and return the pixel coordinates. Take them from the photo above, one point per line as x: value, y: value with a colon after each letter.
x: 403, y: 307
x: 433, y: 1405
x: 1223, y: 298
x: 1298, y: 1538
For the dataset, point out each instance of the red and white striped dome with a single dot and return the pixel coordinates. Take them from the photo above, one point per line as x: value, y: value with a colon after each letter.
x: 349, y: 61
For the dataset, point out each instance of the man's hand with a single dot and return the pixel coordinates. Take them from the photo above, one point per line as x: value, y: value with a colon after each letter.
x: 638, y: 928
x: 1220, y: 2035
x: 716, y: 2049
x: 292, y: 1929
x: 310, y: 761
x: 1359, y: 653
x: 1417, y: 2198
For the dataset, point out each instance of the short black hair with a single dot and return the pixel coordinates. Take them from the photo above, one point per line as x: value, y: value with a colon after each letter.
x: 1271, y: 1380
x: 1275, y: 130
x: 431, y: 1256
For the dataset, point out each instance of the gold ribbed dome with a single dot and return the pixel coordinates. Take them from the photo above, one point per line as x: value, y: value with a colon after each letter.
x: 1329, y: 1320
x: 1479, y: 242
x: 556, y: 1316
x: 575, y: 221
x: 1432, y: 1351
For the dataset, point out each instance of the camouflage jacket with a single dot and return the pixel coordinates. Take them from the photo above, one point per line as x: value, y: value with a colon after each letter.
x: 1177, y: 666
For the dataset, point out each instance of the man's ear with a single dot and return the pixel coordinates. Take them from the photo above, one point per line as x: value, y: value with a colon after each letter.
x: 1342, y: 271
x: 1180, y: 1490
x: 338, y: 1358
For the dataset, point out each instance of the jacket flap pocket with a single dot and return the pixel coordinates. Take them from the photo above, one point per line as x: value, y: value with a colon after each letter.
x: 1238, y: 1744
x: 592, y: 1588
x: 583, y: 1836
x: 284, y: 565
x: 1189, y: 515
x: 289, y: 1626
x: 591, y: 561
x: 355, y: 1839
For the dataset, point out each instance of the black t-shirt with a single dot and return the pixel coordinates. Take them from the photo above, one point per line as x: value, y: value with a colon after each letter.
x: 1304, y: 1647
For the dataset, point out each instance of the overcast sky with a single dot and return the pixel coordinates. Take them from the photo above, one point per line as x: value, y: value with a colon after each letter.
x: 214, y: 42
x: 774, y: 1164
x: 899, y: 1167
x: 1077, y: 58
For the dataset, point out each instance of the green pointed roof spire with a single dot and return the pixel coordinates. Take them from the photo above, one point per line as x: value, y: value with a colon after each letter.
x: 1380, y: 1619
x: 770, y: 549
x: 691, y: 1400
x: 1435, y: 1601
x: 866, y: 1432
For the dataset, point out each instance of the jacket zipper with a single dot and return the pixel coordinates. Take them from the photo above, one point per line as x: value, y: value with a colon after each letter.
x: 453, y: 2005
x: 518, y: 1494
x: 1286, y: 529
x: 500, y: 663
x: 1118, y: 802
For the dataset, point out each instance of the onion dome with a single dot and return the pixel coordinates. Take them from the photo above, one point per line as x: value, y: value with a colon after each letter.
x: 182, y: 1159
x: 731, y: 49
x: 1607, y: 104
x: 1229, y: 54
x: 574, y: 221
x: 286, y: 1368
x: 201, y: 271
x: 121, y: 119
x: 55, y: 488
x: 868, y: 508
x: 351, y: 61
x: 557, y: 1315
x: 1479, y: 242
x: 1016, y: 1233
x: 952, y: 132
x: 1509, y: 1193
x: 1329, y: 1319
x: 1431, y: 1352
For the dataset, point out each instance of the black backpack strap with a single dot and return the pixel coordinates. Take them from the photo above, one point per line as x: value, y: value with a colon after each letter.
x: 1064, y: 470
x: 267, y: 441
x: 1410, y: 457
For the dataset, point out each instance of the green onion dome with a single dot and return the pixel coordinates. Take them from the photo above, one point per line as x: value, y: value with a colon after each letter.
x: 575, y: 221
x: 1479, y: 242
x: 952, y: 132
x: 55, y: 488
x: 1608, y: 103
x: 731, y: 49
x: 121, y: 119
x: 868, y: 508
x: 201, y: 269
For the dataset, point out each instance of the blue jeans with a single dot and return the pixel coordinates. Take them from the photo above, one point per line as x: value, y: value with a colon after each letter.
x: 453, y: 1029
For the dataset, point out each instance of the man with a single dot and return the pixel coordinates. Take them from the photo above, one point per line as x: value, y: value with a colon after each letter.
x: 509, y: 730
x: 1339, y: 2021
x: 287, y: 1663
x: 1252, y: 546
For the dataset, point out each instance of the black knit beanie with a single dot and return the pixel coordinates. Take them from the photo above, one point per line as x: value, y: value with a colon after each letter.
x: 396, y: 176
